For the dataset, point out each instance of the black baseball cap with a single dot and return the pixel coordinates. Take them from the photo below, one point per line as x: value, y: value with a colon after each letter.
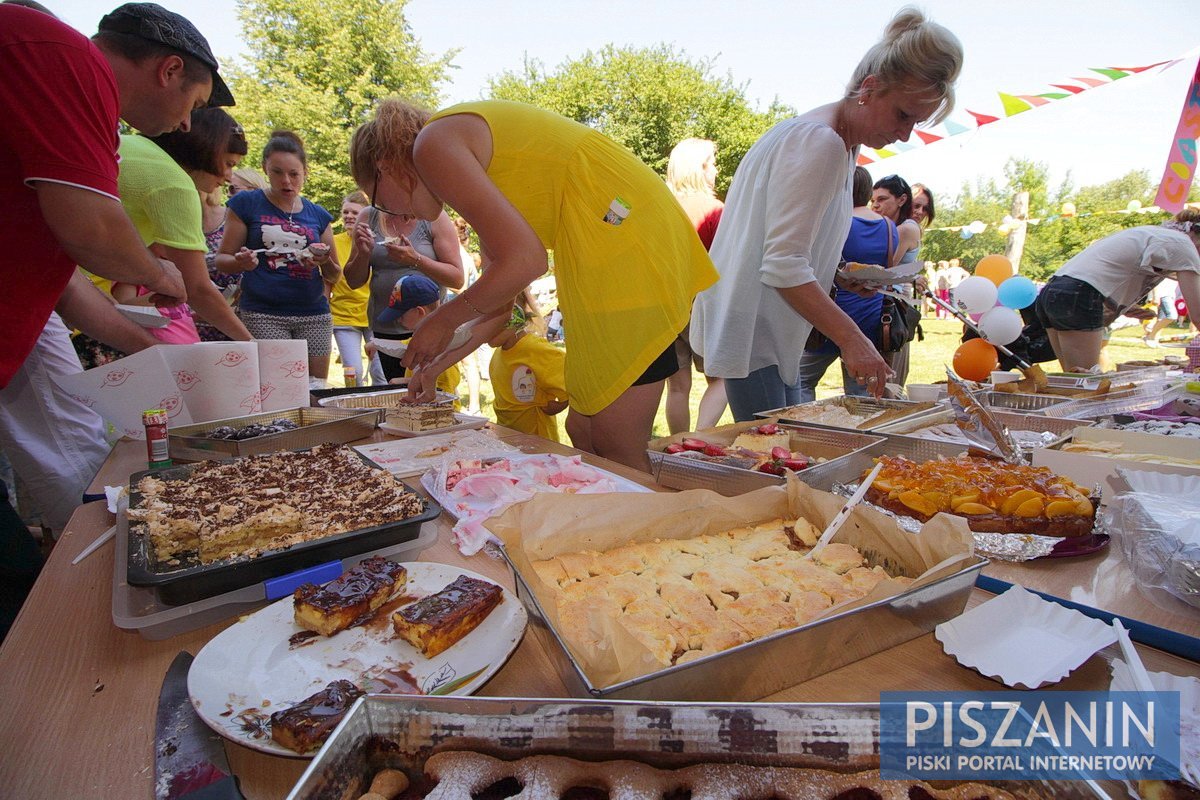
x: 155, y: 23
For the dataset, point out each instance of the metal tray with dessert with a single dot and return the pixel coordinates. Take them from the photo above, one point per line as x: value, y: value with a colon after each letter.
x: 313, y: 426
x: 186, y: 579
x: 844, y: 412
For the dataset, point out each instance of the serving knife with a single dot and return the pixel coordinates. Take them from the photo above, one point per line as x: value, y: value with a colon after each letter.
x: 189, y: 757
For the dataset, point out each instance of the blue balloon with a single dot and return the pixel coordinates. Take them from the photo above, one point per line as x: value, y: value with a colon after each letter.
x: 966, y: 234
x: 1017, y: 292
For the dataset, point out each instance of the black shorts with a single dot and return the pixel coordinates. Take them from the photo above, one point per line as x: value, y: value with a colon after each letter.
x: 1069, y: 304
x: 661, y: 368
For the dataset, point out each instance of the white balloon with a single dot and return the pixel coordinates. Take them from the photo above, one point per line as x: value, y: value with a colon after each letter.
x: 1001, y: 325
x: 977, y: 227
x: 974, y: 295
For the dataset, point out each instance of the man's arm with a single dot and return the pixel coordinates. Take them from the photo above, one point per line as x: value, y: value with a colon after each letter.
x: 203, y: 295
x: 85, y: 307
x: 96, y: 232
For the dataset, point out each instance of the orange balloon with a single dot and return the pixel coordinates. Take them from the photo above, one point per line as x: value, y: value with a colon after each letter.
x: 975, y: 360
x: 996, y: 268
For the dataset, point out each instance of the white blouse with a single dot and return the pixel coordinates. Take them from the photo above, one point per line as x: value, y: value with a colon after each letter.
x: 785, y: 221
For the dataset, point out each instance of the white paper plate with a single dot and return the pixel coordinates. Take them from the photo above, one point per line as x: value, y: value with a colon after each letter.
x: 1020, y: 639
x: 1146, y: 482
x: 145, y: 316
x: 466, y: 422
x: 1189, y: 708
x: 403, y: 457
x: 251, y: 670
x: 391, y: 347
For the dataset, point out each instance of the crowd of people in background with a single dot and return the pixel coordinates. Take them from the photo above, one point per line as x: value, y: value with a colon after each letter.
x: 423, y: 273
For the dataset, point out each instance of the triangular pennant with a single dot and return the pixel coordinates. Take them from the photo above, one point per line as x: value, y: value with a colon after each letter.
x: 1054, y: 95
x: 1068, y: 87
x: 1033, y: 99
x: 1143, y: 69
x: 982, y: 119
x: 884, y: 153
x: 1091, y: 82
x: 863, y: 160
x: 1114, y: 74
x: 903, y: 147
x: 1012, y: 105
x: 954, y: 128
x: 928, y: 138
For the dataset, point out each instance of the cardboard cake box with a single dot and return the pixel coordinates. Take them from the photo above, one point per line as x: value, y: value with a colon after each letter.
x: 1090, y: 469
x: 939, y: 559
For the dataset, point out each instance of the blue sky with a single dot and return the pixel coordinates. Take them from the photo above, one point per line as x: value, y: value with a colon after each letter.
x: 803, y: 51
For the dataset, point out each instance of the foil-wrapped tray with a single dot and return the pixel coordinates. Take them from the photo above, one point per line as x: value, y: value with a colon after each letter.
x: 677, y: 471
x: 383, y: 399
x: 1054, y: 428
x: 867, y: 405
x: 1030, y: 403
x: 314, y: 426
x: 391, y: 732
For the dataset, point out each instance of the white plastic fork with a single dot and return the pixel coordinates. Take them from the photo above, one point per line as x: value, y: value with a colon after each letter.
x: 835, y: 524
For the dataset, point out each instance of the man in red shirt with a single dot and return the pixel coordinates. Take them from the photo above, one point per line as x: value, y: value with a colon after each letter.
x: 61, y: 100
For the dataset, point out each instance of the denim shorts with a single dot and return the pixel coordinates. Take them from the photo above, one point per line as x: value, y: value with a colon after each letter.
x: 1069, y: 304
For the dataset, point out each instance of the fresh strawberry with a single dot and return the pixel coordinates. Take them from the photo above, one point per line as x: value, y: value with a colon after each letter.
x: 693, y: 444
x: 767, y: 429
x: 771, y: 468
x: 795, y: 464
x: 674, y: 447
x: 714, y: 450
x: 780, y: 453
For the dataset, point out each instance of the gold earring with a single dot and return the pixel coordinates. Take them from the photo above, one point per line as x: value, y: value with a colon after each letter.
x: 861, y: 102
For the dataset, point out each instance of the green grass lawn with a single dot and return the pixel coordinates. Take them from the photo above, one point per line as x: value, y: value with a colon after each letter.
x: 929, y: 359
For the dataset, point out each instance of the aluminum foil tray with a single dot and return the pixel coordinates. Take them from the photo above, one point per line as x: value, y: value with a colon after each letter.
x: 872, y: 404
x: 1020, y: 422
x: 317, y: 426
x: 388, y: 398
x: 1036, y: 403
x: 679, y: 472
x: 185, y: 583
x: 764, y: 666
x: 385, y: 731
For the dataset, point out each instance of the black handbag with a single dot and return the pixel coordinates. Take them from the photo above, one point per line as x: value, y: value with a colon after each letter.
x: 900, y: 323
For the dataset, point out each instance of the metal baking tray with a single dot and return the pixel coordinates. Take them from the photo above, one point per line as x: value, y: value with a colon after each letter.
x: 1036, y: 403
x: 317, y: 426
x: 186, y: 583
x: 388, y: 731
x: 772, y: 663
x: 872, y: 404
x: 850, y: 469
x: 909, y: 428
x: 385, y: 399
x: 680, y: 472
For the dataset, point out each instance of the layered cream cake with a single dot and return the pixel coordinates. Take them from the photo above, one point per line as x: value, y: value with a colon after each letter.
x: 267, y: 502
x: 421, y: 416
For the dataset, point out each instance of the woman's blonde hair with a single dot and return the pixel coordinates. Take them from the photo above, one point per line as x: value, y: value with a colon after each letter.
x: 357, y: 196
x: 251, y: 176
x: 388, y: 138
x: 685, y: 167
x: 915, y: 54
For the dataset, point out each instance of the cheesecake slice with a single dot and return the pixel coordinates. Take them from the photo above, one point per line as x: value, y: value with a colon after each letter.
x: 359, y: 591
x: 440, y: 620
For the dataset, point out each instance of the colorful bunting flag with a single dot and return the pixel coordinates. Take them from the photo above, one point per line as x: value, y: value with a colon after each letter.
x: 982, y: 119
x: 1012, y: 105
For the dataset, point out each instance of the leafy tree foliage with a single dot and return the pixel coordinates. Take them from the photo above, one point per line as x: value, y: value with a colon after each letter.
x: 318, y: 68
x: 1099, y: 211
x: 648, y: 99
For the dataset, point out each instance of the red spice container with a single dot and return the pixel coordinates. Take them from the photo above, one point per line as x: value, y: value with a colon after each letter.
x: 157, y: 452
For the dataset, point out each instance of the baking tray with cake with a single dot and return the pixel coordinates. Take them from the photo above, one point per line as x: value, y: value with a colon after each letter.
x: 850, y: 413
x: 1018, y: 536
x: 213, y: 527
x: 737, y: 458
x: 413, y: 629
x: 695, y: 595
x: 471, y: 747
x: 1012, y: 401
x: 223, y: 438
x: 378, y: 398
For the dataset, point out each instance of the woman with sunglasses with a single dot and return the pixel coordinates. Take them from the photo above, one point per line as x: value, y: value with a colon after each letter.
x: 282, y: 243
x: 627, y: 261
x: 895, y: 199
x: 787, y: 215
x: 385, y: 247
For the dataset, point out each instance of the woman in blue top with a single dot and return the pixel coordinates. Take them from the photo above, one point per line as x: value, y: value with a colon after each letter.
x: 872, y: 240
x: 283, y: 244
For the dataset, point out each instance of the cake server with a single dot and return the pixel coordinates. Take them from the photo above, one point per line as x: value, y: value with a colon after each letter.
x: 835, y: 524
x: 189, y: 757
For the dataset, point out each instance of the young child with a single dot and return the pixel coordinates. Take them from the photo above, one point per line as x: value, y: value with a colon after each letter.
x: 412, y: 299
x: 529, y: 379
x: 180, y: 328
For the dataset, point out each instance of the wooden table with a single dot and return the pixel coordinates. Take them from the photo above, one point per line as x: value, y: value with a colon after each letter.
x: 80, y: 695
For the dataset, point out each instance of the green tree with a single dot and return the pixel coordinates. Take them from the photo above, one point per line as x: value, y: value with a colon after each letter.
x: 318, y: 68
x: 648, y: 99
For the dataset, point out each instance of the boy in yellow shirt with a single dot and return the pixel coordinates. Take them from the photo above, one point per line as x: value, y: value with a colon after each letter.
x: 529, y: 378
x: 413, y: 297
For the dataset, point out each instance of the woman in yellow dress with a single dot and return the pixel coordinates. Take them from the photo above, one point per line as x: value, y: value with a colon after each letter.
x: 627, y: 260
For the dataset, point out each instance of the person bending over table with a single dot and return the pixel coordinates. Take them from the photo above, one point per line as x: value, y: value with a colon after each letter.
x: 627, y: 259
x: 1111, y: 276
x: 787, y: 214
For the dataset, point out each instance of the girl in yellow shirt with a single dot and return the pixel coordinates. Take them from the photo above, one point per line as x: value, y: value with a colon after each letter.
x: 528, y: 379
